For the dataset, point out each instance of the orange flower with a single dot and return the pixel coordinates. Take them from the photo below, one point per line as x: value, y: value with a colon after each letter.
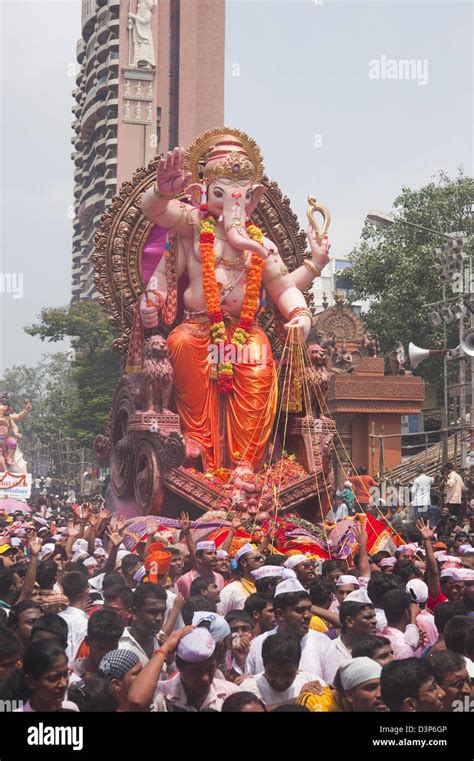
x: 211, y: 292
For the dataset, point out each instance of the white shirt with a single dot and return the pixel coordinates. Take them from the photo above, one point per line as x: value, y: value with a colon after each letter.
x: 337, y: 654
x: 260, y: 687
x: 314, y: 647
x: 170, y: 598
x: 420, y: 491
x: 334, y: 516
x: 469, y: 666
x: 128, y: 642
x: 77, y: 622
x: 381, y: 619
x: 454, y: 486
x: 233, y: 597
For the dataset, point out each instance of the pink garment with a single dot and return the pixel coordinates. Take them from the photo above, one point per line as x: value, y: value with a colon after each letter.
x: 68, y: 705
x: 183, y: 584
x: 334, y: 607
x: 173, y: 691
x: 425, y: 622
x: 399, y: 645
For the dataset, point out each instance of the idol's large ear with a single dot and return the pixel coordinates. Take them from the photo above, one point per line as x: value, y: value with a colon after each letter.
x: 194, y: 191
x: 257, y: 193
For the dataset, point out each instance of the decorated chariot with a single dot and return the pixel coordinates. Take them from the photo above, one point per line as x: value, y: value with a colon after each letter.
x: 201, y: 266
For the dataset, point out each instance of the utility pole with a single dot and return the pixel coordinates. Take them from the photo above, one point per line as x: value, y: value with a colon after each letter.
x: 445, y: 410
x: 82, y: 470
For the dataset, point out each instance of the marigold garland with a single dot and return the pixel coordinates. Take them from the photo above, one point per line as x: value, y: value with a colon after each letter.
x: 225, y: 370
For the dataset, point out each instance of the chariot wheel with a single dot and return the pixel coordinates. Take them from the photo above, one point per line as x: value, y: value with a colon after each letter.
x: 121, y: 451
x: 147, y: 479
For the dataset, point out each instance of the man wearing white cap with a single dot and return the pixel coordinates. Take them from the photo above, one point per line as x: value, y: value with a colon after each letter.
x: 386, y: 564
x: 233, y: 595
x: 348, y: 496
x: 194, y: 688
x: 418, y: 591
x: 206, y: 558
x: 345, y: 584
x: 292, y: 607
x: 303, y: 567
x: 360, y: 679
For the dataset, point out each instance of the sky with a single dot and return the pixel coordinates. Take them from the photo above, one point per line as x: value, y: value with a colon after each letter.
x: 319, y: 85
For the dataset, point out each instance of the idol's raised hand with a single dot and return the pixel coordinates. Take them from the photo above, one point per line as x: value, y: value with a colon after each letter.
x: 319, y: 252
x: 171, y: 178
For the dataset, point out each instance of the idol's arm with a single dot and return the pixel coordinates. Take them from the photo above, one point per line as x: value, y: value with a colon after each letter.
x: 304, y: 275
x: 160, y: 204
x: 284, y: 293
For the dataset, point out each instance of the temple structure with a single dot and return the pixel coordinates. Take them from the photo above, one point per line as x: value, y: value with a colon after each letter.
x: 362, y: 398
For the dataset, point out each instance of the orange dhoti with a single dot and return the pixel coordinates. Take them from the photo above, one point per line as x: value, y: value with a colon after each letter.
x: 237, y: 424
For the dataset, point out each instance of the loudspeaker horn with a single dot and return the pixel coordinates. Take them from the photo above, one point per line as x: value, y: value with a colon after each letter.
x: 467, y: 342
x: 417, y: 354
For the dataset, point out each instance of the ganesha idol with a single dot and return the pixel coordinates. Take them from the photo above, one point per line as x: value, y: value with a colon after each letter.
x: 11, y: 458
x: 226, y: 405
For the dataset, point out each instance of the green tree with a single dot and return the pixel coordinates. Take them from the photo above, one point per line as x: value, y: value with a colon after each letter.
x: 95, y: 366
x: 392, y: 268
x: 51, y: 388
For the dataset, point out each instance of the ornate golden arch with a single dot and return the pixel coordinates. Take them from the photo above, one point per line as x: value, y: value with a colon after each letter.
x: 124, y: 230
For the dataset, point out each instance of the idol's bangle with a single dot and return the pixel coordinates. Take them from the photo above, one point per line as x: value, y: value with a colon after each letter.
x: 300, y: 312
x: 159, y: 194
x: 313, y: 267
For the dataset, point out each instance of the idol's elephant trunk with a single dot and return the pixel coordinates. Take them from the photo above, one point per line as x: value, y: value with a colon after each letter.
x: 233, y: 215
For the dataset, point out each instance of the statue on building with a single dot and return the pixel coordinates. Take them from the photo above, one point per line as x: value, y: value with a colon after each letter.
x: 370, y: 342
x: 11, y: 459
x: 397, y: 360
x: 139, y: 24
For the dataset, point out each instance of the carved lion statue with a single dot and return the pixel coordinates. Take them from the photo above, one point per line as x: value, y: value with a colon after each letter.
x: 157, y: 376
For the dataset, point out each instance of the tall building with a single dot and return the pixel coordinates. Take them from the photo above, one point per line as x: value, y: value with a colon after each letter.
x: 151, y: 77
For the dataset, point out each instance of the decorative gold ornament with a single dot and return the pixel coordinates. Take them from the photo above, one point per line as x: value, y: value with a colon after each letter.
x: 313, y: 207
x: 225, y: 152
x: 312, y: 266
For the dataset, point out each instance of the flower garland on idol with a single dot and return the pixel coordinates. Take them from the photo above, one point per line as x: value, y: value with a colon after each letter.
x: 225, y: 370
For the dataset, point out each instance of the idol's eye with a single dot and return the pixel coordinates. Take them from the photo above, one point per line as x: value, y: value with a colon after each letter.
x: 248, y: 195
x: 218, y: 193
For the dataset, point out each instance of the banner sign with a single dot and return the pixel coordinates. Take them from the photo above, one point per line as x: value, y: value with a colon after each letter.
x: 17, y: 485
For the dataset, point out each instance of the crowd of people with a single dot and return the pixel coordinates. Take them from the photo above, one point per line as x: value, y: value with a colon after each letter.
x: 183, y: 625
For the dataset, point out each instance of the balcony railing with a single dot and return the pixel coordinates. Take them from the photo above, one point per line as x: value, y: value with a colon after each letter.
x: 80, y: 50
x: 89, y: 10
